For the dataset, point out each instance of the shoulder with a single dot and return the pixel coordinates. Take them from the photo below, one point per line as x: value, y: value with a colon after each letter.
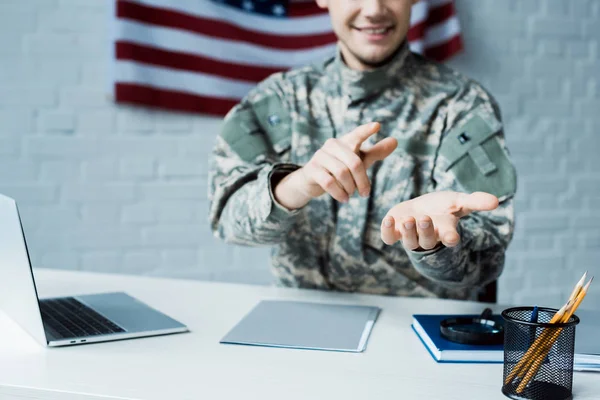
x: 286, y: 85
x: 460, y: 91
x: 261, y: 121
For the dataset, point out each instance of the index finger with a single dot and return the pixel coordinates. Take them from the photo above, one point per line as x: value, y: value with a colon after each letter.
x: 356, y: 137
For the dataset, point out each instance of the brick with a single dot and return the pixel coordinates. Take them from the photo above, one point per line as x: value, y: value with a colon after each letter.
x: 37, y: 75
x: 174, y: 191
x: 591, y: 29
x: 13, y: 169
x: 544, y: 203
x: 182, y: 273
x: 570, y: 201
x: 525, y: 148
x: 31, y: 193
x: 64, y: 147
x: 99, y: 170
x: 541, y: 242
x: 555, y: 108
x: 590, y: 108
x: 17, y: 21
x: 183, y: 167
x: 140, y: 261
x: 590, y: 69
x: 508, y: 104
x: 566, y: 241
x: 92, y: 193
x: 544, y: 184
x: 581, y: 9
x: 144, y: 146
x: 173, y: 122
x: 590, y: 239
x: 51, y: 45
x: 552, y: 48
x: 179, y: 258
x: 551, y: 88
x: 137, y: 168
x: 556, y: 28
x: 587, y: 221
x: 24, y: 95
x: 555, y: 68
x: 83, y: 97
x: 252, y: 277
x: 544, y: 167
x: 56, y: 215
x: 112, y: 239
x: 261, y: 256
x: 10, y: 47
x: 215, y: 251
x: 130, y: 119
x: 587, y: 186
x: 64, y: 259
x: 101, y: 261
x: 170, y: 211
x: 96, y: 6
x: 101, y: 214
x: 524, y: 87
x: 524, y: 46
x: 556, y: 8
x: 95, y: 122
x: 532, y: 221
x: 81, y: 21
x: 176, y: 236
x: 579, y: 49
x: 59, y: 170
x: 138, y: 213
x: 92, y: 73
x: 45, y: 237
x: 29, y: 5
x: 584, y: 260
x: 56, y: 121
x: 540, y: 295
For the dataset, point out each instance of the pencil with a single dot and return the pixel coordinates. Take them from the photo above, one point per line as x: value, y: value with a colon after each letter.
x: 545, y: 349
x: 538, y: 345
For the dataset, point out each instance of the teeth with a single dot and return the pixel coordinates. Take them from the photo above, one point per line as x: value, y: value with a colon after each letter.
x: 375, y: 31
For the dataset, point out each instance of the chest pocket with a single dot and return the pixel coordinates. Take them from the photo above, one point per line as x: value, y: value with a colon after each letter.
x: 258, y: 129
x: 474, y: 153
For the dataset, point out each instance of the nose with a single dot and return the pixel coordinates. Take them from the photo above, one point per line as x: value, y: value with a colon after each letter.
x: 373, y: 8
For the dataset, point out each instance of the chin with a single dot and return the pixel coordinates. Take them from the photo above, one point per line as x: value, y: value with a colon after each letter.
x: 376, y: 59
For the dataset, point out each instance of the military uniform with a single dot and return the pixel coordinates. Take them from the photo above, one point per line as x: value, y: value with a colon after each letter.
x: 450, y: 138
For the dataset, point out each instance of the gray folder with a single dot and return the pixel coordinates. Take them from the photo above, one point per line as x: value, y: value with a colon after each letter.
x: 305, y: 325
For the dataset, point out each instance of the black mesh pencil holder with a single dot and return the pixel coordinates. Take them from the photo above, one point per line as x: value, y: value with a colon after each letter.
x: 538, y: 356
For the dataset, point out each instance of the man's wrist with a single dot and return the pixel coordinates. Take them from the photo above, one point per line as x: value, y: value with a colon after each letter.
x: 286, y: 191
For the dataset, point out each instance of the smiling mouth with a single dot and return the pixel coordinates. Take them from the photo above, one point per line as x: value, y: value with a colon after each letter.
x: 375, y: 31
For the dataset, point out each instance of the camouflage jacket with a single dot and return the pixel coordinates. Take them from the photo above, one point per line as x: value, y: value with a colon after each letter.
x: 450, y: 138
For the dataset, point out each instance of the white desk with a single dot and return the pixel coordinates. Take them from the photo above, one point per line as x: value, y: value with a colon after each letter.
x: 195, y: 366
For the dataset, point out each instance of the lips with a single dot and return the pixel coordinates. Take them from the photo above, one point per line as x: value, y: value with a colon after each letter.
x: 374, y: 31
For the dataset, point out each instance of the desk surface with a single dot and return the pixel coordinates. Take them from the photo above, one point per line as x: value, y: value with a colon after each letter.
x: 194, y: 365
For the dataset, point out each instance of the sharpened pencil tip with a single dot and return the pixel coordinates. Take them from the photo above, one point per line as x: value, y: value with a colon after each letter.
x: 580, y: 283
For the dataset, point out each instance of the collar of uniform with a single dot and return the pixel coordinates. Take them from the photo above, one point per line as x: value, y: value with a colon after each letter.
x: 361, y: 84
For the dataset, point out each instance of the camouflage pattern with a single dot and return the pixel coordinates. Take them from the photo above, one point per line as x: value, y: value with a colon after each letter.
x: 337, y: 246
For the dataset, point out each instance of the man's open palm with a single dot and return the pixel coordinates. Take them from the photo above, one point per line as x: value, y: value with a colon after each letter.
x: 425, y: 221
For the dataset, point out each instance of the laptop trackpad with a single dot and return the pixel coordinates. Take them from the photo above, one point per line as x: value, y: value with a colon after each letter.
x: 128, y: 312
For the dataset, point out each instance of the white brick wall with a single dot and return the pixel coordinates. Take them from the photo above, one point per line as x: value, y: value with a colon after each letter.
x: 122, y: 189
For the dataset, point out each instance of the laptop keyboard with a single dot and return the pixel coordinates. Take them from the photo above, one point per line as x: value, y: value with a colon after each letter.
x: 71, y: 318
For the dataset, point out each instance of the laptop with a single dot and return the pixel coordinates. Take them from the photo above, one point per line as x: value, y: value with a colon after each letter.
x: 64, y: 321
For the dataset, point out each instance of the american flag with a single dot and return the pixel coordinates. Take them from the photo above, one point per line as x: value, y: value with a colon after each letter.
x: 203, y: 56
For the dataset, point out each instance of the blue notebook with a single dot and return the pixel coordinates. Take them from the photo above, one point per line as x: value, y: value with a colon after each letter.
x: 427, y: 328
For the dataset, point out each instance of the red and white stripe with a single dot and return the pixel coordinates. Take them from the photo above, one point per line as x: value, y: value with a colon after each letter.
x: 201, y: 56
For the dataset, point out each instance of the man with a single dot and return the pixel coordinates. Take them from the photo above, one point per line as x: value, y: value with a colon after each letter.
x: 375, y: 171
